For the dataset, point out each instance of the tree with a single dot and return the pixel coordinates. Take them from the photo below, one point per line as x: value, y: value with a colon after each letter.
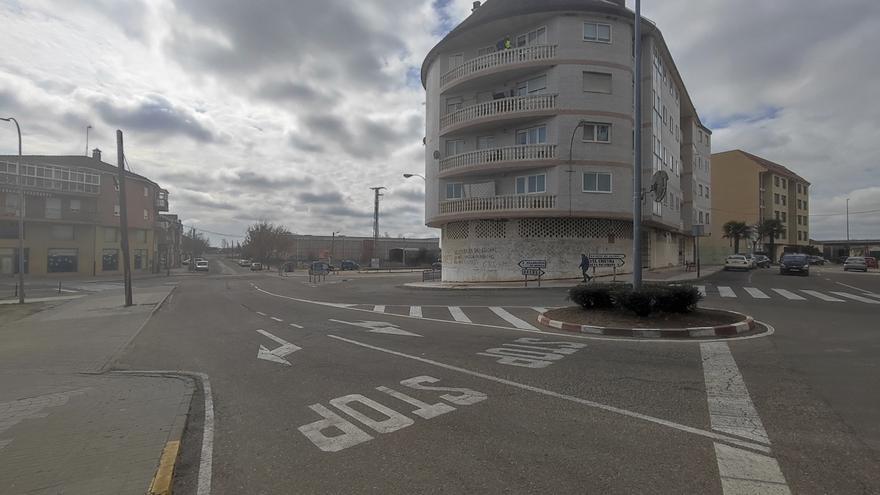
x: 265, y: 241
x: 771, y: 228
x: 736, y: 231
x: 195, y: 243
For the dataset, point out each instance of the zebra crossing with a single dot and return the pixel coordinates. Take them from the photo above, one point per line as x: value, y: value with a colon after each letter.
x: 727, y: 292
x: 521, y: 317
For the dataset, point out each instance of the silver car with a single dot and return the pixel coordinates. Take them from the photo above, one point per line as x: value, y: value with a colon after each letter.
x: 855, y: 263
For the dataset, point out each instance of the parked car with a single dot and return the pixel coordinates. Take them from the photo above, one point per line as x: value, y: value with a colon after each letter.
x: 349, y: 265
x: 737, y: 262
x: 817, y: 260
x: 753, y: 262
x: 244, y: 262
x: 762, y: 261
x: 321, y: 267
x: 255, y: 267
x: 871, y: 261
x: 794, y: 263
x: 201, y: 266
x: 855, y: 263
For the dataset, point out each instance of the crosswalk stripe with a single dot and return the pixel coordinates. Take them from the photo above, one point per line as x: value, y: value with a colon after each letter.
x: 513, y: 320
x: 821, y: 296
x: 855, y: 297
x: 756, y: 293
x: 725, y: 291
x: 415, y: 311
x: 702, y: 290
x: 379, y: 309
x: 789, y: 295
x: 458, y: 314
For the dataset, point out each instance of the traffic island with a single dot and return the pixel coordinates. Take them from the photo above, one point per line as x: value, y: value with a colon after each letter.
x: 652, y: 311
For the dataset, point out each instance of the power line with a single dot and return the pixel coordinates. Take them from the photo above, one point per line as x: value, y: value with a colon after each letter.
x: 215, y: 233
x: 842, y: 214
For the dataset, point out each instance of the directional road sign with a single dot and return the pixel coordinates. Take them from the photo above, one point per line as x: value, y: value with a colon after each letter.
x: 534, y: 272
x: 607, y: 260
x: 533, y: 264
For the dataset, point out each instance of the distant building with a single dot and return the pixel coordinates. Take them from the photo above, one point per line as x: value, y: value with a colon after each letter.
x: 507, y: 91
x: 170, y: 236
x: 748, y: 188
x: 834, y: 250
x: 72, y: 216
x: 390, y: 251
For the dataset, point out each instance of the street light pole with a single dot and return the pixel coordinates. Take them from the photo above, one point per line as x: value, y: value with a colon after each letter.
x: 87, y: 139
x: 20, y: 214
x: 848, y: 249
x: 637, y: 163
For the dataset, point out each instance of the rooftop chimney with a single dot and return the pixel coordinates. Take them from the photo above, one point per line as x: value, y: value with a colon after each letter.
x: 476, y: 6
x: 96, y: 154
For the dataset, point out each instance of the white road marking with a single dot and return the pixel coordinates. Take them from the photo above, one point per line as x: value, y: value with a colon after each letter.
x: 730, y: 407
x: 379, y: 327
x: 821, y: 296
x: 570, y: 398
x: 276, y: 355
x: 16, y: 411
x: 509, y: 318
x: 261, y: 313
x: 294, y: 325
x: 756, y: 293
x: 458, y: 314
x: 274, y: 318
x: 702, y: 290
x: 743, y: 472
x: 379, y: 309
x: 789, y: 295
x: 725, y: 291
x: 415, y: 311
x: 540, y: 310
x: 855, y: 297
x: 851, y: 287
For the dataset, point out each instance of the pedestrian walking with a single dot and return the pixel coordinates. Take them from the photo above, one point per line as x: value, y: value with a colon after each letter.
x: 585, y: 267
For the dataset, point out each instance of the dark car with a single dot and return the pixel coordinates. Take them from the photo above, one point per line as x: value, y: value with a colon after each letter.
x: 817, y: 260
x: 349, y: 265
x: 794, y: 263
x: 762, y: 261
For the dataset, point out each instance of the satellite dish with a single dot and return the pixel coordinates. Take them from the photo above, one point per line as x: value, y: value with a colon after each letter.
x: 658, y: 185
x: 436, y: 154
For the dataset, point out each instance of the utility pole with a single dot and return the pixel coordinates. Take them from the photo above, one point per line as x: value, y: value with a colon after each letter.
x: 848, y: 249
x: 378, y: 194
x: 637, y: 163
x: 20, y: 214
x: 123, y: 218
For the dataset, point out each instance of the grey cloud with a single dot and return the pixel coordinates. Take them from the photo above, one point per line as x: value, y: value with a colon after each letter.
x: 322, y: 198
x: 260, y: 181
x: 414, y: 196
x: 303, y: 144
x: 156, y: 115
x: 345, y: 211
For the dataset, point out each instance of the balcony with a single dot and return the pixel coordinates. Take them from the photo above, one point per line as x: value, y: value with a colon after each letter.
x: 500, y: 60
x: 496, y: 159
x: 162, y: 200
x: 502, y: 108
x: 498, y: 204
x: 51, y: 178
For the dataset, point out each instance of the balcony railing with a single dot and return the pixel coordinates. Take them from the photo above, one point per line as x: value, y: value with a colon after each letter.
x: 502, y: 106
x: 500, y: 58
x: 499, y: 204
x: 526, y: 153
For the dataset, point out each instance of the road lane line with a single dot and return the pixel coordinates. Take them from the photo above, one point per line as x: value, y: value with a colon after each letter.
x: 855, y: 297
x: 726, y: 291
x: 570, y: 398
x: 261, y: 313
x: 274, y: 318
x: 702, y: 290
x: 379, y: 309
x: 821, y: 296
x: 756, y: 293
x: 294, y: 325
x: 458, y: 314
x: 852, y: 287
x: 415, y: 311
x: 789, y: 295
x: 509, y: 318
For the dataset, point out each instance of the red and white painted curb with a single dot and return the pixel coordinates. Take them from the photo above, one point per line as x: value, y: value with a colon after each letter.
x: 747, y: 325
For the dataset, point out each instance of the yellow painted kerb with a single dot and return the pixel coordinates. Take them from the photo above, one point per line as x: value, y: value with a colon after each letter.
x: 161, y: 484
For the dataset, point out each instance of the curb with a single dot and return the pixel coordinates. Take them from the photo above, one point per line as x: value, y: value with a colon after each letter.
x: 730, y: 330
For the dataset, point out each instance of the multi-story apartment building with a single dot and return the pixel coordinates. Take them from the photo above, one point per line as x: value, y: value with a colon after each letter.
x: 71, y: 216
x: 529, y: 140
x: 748, y: 188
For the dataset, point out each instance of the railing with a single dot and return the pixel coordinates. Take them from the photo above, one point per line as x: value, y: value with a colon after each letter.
x: 526, y: 153
x: 502, y: 106
x: 500, y: 58
x: 499, y: 203
x: 431, y: 275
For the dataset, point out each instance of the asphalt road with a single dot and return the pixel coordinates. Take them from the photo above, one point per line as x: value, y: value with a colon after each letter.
x: 367, y: 387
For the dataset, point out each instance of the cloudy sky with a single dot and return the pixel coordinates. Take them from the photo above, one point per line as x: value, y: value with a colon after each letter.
x: 289, y: 110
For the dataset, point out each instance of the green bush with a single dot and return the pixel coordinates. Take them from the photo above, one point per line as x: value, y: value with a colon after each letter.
x: 649, y: 299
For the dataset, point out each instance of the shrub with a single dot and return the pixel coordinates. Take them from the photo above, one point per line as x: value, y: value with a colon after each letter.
x: 649, y: 299
x: 677, y: 298
x: 593, y: 296
x: 641, y: 302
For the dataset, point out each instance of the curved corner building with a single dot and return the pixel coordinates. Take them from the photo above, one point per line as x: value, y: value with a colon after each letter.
x: 515, y: 88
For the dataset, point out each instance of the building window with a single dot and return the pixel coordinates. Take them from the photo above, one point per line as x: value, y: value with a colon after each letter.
x: 799, y: 187
x: 111, y: 234
x: 805, y: 204
x: 62, y: 260
x: 454, y: 147
x: 110, y: 260
x: 9, y: 261
x: 597, y: 32
x: 485, y: 51
x: 783, y: 217
x: 485, y: 142
x: 532, y: 135
x: 61, y: 232
x: 454, y: 190
x: 776, y: 214
x: 707, y: 218
x: 776, y: 181
x: 597, y: 82
x: 146, y: 214
x: 12, y: 204
x: 53, y: 208
x: 595, y: 132
x: 701, y: 217
x: 783, y: 183
x: 701, y: 190
x: 597, y: 182
x: 531, y: 184
x: 707, y: 192
x: 456, y: 60
x: 139, y: 236
x: 146, y: 192
x: 776, y: 198
x: 783, y: 200
x: 532, y: 86
x: 140, y: 259
x: 536, y: 37
x: 115, y: 210
x: 453, y: 104
x: 75, y: 205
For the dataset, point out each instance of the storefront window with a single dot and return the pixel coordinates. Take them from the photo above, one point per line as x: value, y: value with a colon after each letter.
x: 62, y: 260
x: 110, y: 260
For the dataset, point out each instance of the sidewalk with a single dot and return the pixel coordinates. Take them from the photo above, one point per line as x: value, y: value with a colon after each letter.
x: 674, y: 274
x: 64, y: 430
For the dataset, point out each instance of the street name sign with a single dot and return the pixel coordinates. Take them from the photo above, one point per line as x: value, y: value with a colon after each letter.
x: 533, y: 264
x: 607, y: 260
x: 534, y: 272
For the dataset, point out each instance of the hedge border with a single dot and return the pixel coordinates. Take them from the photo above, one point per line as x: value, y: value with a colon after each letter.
x: 730, y: 330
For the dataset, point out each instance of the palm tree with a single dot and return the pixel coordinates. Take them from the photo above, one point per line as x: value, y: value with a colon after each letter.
x: 736, y: 231
x: 771, y: 228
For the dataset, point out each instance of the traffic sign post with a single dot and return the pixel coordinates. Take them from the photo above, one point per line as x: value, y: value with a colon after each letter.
x: 606, y: 260
x: 533, y: 268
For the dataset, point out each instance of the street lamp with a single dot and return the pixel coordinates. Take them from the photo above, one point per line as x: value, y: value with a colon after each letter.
x: 570, y: 169
x: 408, y: 176
x: 20, y: 215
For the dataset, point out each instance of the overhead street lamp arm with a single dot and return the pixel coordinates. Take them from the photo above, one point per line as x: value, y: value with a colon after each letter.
x: 407, y: 176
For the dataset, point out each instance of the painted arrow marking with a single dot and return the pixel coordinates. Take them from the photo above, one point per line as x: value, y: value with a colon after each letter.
x: 379, y: 327
x: 276, y: 355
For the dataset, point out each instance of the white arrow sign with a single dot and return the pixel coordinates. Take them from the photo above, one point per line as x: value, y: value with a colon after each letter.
x: 276, y: 355
x: 379, y: 327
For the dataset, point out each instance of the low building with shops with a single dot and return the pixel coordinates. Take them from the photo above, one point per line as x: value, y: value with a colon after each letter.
x: 71, y: 217
x: 391, y: 252
x: 836, y: 250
